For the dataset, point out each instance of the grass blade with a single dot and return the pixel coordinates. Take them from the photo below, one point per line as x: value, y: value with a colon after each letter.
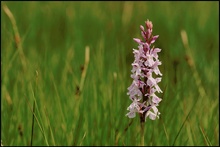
x: 184, y: 122
x: 207, y: 141
x: 165, y: 130
x: 41, y: 128
x: 16, y: 35
x: 32, y: 130
x: 48, y: 121
x: 83, y: 76
x: 82, y: 139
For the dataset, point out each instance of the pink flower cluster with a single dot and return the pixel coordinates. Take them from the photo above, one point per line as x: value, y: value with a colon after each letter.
x: 144, y: 85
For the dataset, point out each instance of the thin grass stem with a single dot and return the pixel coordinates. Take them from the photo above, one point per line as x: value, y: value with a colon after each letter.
x: 16, y: 35
x: 51, y: 131
x: 83, y: 76
x: 32, y: 130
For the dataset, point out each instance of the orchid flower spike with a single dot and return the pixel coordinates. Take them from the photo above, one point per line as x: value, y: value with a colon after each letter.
x: 146, y: 76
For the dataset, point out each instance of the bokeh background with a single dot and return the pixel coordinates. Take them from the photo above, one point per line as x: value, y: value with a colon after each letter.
x: 85, y: 104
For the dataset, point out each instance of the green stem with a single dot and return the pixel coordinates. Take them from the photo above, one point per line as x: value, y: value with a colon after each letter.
x: 142, y: 133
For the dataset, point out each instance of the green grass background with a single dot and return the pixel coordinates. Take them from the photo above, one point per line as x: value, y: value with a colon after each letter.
x: 54, y: 36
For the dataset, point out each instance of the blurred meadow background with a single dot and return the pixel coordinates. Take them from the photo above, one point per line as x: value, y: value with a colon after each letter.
x: 70, y: 64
